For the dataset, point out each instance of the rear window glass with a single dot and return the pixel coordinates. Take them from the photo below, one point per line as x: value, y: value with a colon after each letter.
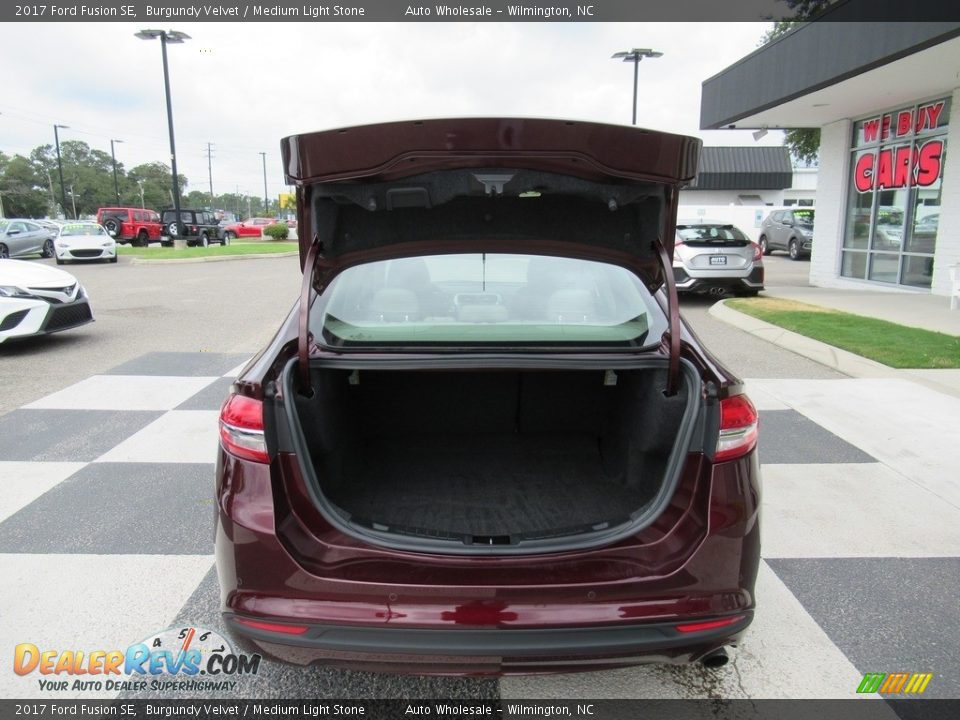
x: 710, y: 232
x: 486, y: 299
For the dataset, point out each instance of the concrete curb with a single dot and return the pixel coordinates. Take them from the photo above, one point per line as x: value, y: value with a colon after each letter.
x: 212, y: 258
x: 842, y: 361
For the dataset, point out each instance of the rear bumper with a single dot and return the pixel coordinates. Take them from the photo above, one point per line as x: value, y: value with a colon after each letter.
x: 703, y: 281
x: 493, y: 650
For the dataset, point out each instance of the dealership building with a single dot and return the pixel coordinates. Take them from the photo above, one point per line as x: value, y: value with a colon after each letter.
x: 885, y: 97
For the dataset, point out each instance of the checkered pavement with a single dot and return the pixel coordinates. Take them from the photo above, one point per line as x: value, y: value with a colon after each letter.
x: 106, y: 537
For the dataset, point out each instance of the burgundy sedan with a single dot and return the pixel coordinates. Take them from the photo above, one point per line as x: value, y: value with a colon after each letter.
x: 484, y: 440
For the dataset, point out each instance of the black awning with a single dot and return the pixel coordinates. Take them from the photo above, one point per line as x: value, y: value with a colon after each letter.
x: 743, y: 168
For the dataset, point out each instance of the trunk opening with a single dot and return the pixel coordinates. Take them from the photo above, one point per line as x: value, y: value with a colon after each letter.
x: 515, y: 459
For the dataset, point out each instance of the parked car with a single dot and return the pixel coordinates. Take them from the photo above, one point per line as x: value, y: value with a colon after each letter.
x: 24, y: 237
x: 199, y: 227
x: 251, y: 227
x: 790, y: 230
x: 485, y: 441
x: 716, y: 258
x: 84, y: 241
x: 138, y: 226
x: 36, y: 299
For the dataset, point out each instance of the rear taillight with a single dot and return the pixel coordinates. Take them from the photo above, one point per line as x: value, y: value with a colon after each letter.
x: 708, y: 625
x: 241, y: 428
x: 757, y: 252
x: 273, y: 627
x: 738, y: 428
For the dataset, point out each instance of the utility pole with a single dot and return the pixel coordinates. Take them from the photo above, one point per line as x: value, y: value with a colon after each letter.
x: 210, y: 171
x: 113, y: 155
x: 73, y: 199
x: 266, y: 202
x: 142, y: 205
x: 63, y: 189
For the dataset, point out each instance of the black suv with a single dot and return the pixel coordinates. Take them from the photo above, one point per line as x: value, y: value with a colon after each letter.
x: 198, y: 227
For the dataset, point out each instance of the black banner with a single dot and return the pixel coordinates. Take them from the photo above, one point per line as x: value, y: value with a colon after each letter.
x: 161, y: 11
x: 874, y: 708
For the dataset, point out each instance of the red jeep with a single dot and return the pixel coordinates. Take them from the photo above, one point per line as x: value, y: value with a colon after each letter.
x: 137, y: 226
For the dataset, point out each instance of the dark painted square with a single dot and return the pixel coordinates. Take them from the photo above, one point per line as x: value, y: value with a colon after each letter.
x: 885, y: 614
x: 210, y: 398
x: 277, y: 681
x: 119, y: 509
x: 67, y: 435
x: 789, y: 437
x: 180, y: 364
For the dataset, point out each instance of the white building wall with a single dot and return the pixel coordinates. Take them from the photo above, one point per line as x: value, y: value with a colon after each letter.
x: 835, y: 140
x: 948, y: 232
x: 728, y: 197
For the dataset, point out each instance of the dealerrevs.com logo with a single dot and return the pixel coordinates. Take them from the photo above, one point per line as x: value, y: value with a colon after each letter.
x: 186, y: 659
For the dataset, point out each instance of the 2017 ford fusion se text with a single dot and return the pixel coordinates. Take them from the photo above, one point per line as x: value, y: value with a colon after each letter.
x: 484, y: 440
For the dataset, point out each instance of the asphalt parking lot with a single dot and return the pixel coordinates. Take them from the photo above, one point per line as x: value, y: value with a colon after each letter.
x: 107, y: 436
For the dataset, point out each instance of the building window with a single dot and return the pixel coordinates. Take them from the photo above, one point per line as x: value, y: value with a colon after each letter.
x: 893, y: 209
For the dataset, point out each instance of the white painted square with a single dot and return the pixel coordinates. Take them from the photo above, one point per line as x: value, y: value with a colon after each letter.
x: 853, y: 510
x: 23, y: 482
x: 784, y: 654
x: 903, y: 424
x: 124, y: 392
x: 762, y: 400
x: 179, y: 436
x: 87, y: 602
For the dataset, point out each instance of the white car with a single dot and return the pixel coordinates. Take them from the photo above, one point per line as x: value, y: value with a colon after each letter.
x: 36, y: 299
x: 84, y: 241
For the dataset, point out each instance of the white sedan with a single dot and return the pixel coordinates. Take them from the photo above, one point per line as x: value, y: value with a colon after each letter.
x: 84, y: 241
x: 36, y: 299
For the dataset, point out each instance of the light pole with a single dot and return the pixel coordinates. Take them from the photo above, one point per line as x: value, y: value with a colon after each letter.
x: 140, y: 184
x: 168, y: 36
x: 635, y: 56
x: 73, y: 199
x: 63, y: 189
x: 266, y: 202
x: 116, y: 185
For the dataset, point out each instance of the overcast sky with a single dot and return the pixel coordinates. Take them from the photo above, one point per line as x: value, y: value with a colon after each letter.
x: 243, y: 86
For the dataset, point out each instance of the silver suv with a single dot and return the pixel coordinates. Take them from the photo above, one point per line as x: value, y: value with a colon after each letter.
x: 790, y: 230
x: 716, y: 258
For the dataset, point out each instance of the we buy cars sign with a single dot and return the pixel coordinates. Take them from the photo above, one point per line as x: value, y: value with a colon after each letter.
x: 898, y: 166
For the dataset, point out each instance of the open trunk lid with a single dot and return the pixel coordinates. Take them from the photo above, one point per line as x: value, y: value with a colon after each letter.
x: 574, y: 189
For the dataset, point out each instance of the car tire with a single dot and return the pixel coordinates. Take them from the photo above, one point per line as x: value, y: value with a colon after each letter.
x: 59, y: 261
x: 4, y: 252
x: 173, y: 229
x: 113, y: 259
x: 112, y: 226
x: 143, y: 239
x: 764, y: 247
x: 226, y: 240
x: 204, y: 240
x: 166, y: 244
x: 794, y: 249
x: 748, y: 293
x: 47, y: 251
x: 229, y: 235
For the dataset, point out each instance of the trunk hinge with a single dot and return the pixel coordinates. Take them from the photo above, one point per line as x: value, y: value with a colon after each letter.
x: 673, y: 315
x: 305, y: 338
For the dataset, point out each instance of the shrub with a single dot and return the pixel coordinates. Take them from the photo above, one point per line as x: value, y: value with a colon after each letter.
x: 277, y: 231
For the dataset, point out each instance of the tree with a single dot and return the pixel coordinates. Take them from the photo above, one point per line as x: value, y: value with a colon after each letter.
x: 22, y: 189
x: 197, y: 199
x: 157, y: 182
x: 804, y: 143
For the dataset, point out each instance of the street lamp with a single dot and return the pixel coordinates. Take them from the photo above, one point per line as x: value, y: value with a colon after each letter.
x: 63, y: 189
x: 116, y: 185
x: 168, y: 36
x: 140, y: 184
x: 635, y: 56
x: 265, y: 201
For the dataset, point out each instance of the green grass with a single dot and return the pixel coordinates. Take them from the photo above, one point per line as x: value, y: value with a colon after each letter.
x: 234, y: 248
x: 886, y: 342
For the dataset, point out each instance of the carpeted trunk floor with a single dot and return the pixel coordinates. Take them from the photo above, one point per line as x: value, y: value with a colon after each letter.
x: 482, y: 485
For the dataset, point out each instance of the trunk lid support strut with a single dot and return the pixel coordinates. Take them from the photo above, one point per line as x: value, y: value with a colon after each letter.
x: 304, y: 337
